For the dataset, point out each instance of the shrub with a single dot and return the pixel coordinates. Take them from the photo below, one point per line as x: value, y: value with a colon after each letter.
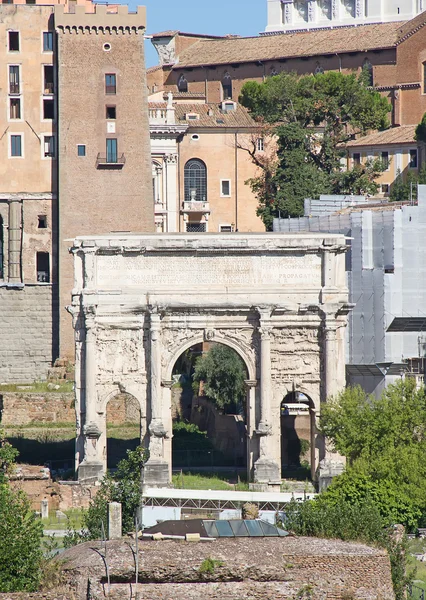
x: 124, y: 487
x: 20, y: 543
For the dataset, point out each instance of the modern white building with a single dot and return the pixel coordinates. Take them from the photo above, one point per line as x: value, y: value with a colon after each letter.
x: 292, y: 15
x: 386, y: 275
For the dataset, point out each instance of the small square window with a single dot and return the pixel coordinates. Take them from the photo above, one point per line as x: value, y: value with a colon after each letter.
x: 81, y: 150
x: 47, y: 41
x: 225, y: 187
x: 42, y: 222
x: 14, y: 79
x: 110, y: 83
x: 43, y: 267
x: 13, y: 41
x: 226, y: 228
x: 413, y: 159
x: 49, y: 146
x: 111, y: 112
x: 48, y: 85
x: 15, y: 145
x: 356, y: 157
x: 194, y: 227
x: 15, y: 108
x: 385, y: 188
x: 48, y: 109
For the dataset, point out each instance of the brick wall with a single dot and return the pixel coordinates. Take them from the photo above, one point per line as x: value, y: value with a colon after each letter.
x: 26, y: 408
x: 26, y: 333
x: 260, y: 569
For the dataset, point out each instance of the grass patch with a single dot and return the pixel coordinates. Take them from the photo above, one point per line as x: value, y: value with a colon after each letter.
x: 73, y: 520
x: 417, y: 546
x: 39, y: 425
x: 45, y: 387
x: 210, y: 481
x: 208, y: 566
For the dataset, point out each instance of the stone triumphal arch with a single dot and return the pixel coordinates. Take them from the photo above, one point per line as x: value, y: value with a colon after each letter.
x: 139, y: 301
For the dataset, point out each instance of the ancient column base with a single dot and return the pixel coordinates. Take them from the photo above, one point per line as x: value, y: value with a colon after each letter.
x: 156, y: 473
x: 90, y: 472
x: 328, y: 469
x: 266, y: 471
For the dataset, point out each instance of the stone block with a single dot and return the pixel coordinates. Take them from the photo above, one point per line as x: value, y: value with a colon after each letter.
x: 156, y: 473
x: 44, y: 505
x: 114, y: 521
x: 90, y: 472
x: 267, y: 471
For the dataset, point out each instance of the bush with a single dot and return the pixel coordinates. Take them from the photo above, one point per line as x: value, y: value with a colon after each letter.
x: 124, y: 487
x: 20, y: 543
x: 329, y: 517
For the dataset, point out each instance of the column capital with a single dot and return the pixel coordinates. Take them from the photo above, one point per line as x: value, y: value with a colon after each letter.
x: 167, y: 384
x: 251, y: 383
x: 89, y: 316
x: 171, y: 159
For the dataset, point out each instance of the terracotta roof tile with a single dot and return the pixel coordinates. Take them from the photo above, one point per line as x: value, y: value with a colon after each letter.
x: 238, y: 118
x: 288, y: 45
x: 234, y: 119
x: 186, y: 95
x: 173, y: 32
x: 395, y: 135
x: 411, y: 27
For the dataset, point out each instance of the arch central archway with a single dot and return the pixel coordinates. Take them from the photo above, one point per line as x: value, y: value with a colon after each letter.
x: 238, y: 451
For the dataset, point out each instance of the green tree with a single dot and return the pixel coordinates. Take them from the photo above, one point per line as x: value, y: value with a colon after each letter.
x: 420, y: 133
x: 20, y: 543
x: 8, y: 455
x: 384, y: 440
x: 223, y: 373
x: 404, y: 190
x: 361, y: 180
x: 359, y: 520
x: 20, y: 531
x: 313, y: 117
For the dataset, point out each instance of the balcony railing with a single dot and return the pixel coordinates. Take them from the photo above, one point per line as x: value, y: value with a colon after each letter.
x: 110, y: 162
x: 196, y: 206
x: 14, y: 88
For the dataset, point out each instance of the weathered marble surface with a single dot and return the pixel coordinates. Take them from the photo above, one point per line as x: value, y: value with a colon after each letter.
x: 139, y: 301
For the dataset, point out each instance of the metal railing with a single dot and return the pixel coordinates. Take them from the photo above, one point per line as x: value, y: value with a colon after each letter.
x: 110, y: 162
x: 416, y: 592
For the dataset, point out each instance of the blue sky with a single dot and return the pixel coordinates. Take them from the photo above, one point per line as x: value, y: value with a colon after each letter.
x: 217, y: 17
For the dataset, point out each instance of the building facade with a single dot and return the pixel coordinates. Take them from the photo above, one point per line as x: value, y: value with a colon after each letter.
x: 70, y: 162
x: 201, y: 165
x: 400, y: 153
x: 293, y: 15
x: 394, y: 53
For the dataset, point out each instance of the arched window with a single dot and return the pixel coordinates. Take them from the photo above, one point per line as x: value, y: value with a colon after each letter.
x: 182, y: 84
x: 195, y: 177
x: 367, y: 68
x: 227, y: 87
x: 318, y: 69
